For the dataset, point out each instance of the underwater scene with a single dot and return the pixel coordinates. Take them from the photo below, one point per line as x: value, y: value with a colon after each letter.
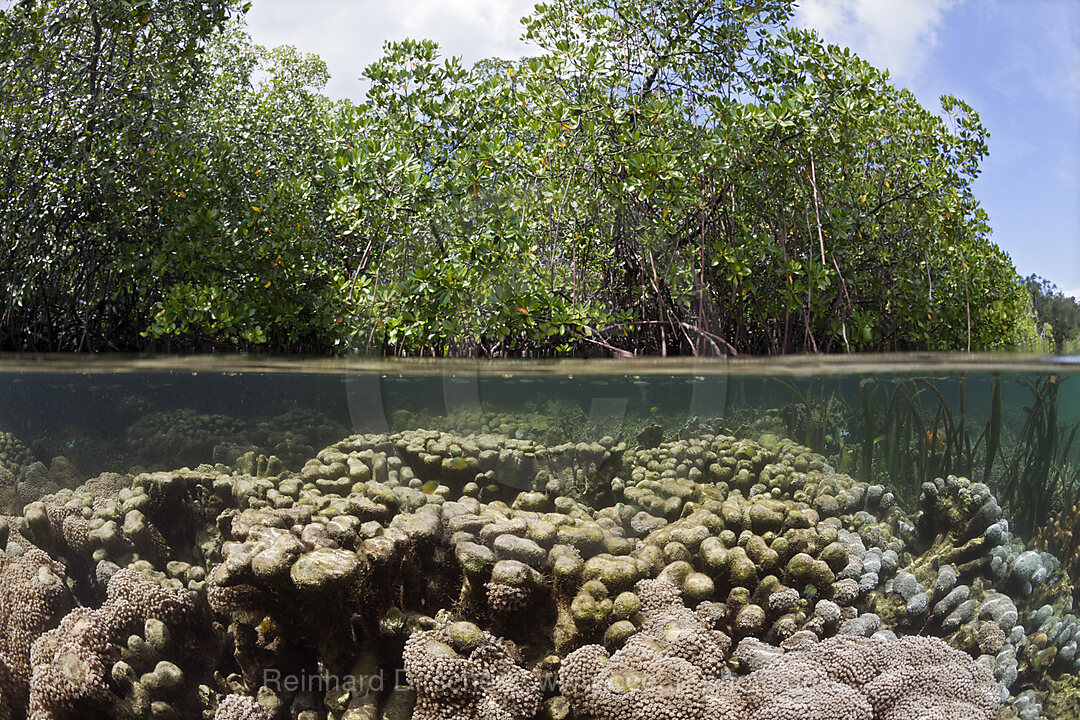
x: 230, y: 539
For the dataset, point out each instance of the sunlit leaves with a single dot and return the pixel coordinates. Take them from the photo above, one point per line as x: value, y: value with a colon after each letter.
x: 666, y: 173
x: 667, y: 160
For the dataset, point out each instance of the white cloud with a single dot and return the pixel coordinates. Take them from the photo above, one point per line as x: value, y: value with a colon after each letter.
x: 895, y: 34
x: 350, y: 35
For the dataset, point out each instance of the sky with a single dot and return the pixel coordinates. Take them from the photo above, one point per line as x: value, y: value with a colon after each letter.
x: 1016, y: 61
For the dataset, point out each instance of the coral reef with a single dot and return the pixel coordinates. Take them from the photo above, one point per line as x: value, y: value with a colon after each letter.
x: 673, y: 668
x: 505, y: 573
x: 166, y: 439
x: 1061, y: 537
x: 460, y: 671
x: 24, y: 480
x: 14, y: 455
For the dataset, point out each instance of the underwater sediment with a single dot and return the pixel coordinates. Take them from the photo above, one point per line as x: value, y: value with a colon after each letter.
x: 432, y: 574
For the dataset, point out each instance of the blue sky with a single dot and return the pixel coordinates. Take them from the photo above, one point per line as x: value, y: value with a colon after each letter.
x: 1018, y: 62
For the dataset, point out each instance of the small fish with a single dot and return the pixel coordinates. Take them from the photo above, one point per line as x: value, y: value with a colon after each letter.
x: 430, y: 487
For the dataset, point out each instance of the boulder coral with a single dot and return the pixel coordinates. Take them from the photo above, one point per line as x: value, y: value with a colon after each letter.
x: 34, y: 598
x: 240, y: 707
x: 512, y: 579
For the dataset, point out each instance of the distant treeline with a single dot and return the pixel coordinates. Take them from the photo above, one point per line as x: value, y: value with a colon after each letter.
x: 666, y: 176
x: 1058, y: 315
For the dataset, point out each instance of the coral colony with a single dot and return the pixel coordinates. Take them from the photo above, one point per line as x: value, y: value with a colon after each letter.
x: 479, y: 575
